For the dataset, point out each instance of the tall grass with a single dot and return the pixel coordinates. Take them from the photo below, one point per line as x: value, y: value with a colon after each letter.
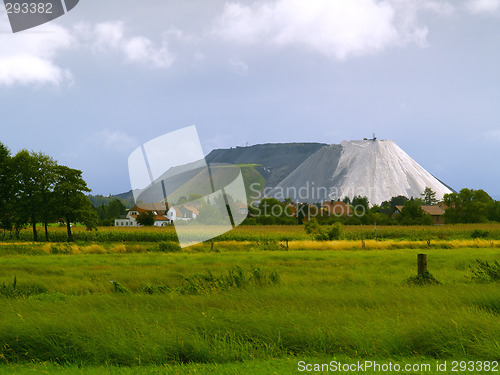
x: 328, y: 303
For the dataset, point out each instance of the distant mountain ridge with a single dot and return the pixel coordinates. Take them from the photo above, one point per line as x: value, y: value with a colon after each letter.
x: 278, y: 160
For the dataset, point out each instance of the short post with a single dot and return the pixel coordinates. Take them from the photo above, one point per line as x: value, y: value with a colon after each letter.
x: 422, y: 263
x: 286, y: 244
x: 362, y: 244
x: 211, y: 245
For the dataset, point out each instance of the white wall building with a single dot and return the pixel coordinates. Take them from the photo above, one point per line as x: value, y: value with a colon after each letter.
x: 163, y: 217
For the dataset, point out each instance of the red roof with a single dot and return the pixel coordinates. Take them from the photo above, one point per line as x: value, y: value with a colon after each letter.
x: 434, y: 210
x: 143, y: 207
x: 337, y: 208
x: 192, y: 209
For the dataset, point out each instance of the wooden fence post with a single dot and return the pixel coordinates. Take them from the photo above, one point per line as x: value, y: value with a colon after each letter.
x: 422, y: 263
x: 286, y: 244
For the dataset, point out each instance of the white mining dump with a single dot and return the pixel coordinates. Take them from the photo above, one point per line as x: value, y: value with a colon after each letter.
x: 377, y: 169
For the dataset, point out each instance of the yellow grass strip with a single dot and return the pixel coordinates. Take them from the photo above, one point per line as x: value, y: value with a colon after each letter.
x: 389, y: 244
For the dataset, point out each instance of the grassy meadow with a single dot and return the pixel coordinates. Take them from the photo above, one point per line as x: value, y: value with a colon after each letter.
x: 246, y: 304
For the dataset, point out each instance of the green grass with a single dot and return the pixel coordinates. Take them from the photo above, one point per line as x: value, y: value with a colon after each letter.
x: 352, y: 304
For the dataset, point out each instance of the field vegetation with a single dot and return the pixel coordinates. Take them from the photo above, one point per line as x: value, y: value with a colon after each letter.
x: 134, y: 302
x: 263, y: 233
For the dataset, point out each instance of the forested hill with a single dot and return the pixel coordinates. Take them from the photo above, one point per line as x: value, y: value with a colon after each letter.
x: 277, y: 159
x: 127, y: 199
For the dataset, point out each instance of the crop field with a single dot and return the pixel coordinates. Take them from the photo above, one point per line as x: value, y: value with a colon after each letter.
x: 261, y: 233
x: 250, y: 303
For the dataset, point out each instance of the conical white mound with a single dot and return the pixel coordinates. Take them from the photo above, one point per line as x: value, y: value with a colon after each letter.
x: 376, y: 169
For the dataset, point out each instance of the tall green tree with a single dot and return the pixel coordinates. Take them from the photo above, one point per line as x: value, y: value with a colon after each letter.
x: 429, y: 196
x: 468, y: 206
x: 34, y: 179
x: 113, y: 210
x: 47, y: 182
x: 70, y: 203
x: 6, y: 191
x: 494, y: 211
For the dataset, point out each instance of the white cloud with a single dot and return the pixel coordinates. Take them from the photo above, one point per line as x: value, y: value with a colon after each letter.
x: 492, y: 135
x: 335, y: 28
x: 110, y: 36
x: 483, y: 6
x: 142, y: 50
x: 174, y: 32
x: 30, y: 69
x: 441, y: 8
x: 238, y: 65
x: 116, y: 140
x: 29, y: 57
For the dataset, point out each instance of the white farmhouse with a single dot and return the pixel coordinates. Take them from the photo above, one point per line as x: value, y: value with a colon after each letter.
x: 163, y: 214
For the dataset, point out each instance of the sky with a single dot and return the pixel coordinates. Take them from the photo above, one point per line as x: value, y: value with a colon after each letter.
x: 93, y: 85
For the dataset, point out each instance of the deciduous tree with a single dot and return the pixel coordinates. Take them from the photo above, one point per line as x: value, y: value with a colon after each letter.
x: 6, y: 191
x: 70, y: 202
x: 33, y: 176
x: 468, y: 206
x: 146, y: 218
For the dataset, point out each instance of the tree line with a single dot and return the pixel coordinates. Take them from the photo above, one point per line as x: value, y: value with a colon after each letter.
x: 466, y: 206
x: 35, y: 189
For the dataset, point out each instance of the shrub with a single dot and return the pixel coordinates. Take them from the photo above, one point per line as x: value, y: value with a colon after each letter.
x: 479, y: 233
x: 331, y: 233
x: 169, y: 246
x: 335, y: 232
x: 260, y: 278
x: 24, y: 290
x: 485, y: 272
x: 236, y: 278
x: 155, y: 289
x: 118, y: 288
x: 312, y: 226
x: 425, y: 278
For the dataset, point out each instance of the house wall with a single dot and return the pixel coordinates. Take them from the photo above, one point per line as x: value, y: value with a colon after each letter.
x: 438, y: 219
x: 161, y: 223
x: 125, y: 223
